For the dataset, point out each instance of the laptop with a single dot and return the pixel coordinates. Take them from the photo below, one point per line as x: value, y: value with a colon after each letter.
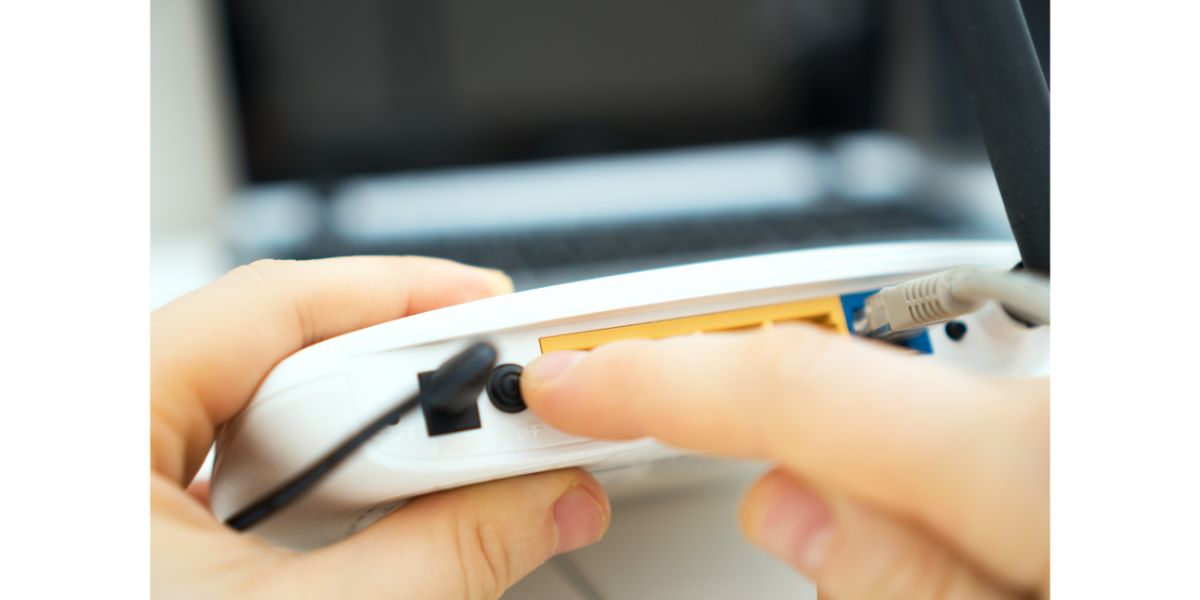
x: 559, y: 141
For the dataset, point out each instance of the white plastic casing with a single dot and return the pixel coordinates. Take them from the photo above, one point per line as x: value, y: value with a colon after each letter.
x: 317, y: 397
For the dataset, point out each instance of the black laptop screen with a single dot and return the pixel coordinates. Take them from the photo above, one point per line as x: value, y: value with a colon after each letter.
x: 330, y: 89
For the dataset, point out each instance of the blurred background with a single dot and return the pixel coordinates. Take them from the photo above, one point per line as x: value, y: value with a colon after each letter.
x: 559, y: 140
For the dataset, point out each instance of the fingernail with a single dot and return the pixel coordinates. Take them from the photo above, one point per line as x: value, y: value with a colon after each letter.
x: 796, y: 526
x: 579, y: 517
x: 553, y: 365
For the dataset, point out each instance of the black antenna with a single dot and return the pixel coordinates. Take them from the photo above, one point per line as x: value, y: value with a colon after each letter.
x: 1012, y: 101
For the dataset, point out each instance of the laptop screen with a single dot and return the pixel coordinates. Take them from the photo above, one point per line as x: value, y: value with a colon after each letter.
x: 326, y: 90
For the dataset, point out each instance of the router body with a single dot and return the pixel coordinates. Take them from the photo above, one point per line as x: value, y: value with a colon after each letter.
x: 314, y: 398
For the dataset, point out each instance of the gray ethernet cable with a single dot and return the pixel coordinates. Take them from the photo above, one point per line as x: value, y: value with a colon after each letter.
x: 951, y: 294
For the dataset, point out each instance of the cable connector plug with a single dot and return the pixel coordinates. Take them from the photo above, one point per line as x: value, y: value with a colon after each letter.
x: 947, y: 295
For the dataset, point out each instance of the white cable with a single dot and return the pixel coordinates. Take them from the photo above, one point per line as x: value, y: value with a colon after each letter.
x: 951, y: 294
x: 1025, y: 294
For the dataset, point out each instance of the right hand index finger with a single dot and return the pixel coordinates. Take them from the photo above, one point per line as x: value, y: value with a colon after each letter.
x: 965, y: 455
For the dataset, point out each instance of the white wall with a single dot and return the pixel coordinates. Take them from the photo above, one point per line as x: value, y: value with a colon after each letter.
x: 191, y: 169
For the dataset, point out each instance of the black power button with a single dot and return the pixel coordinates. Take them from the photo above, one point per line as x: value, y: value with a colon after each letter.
x: 504, y: 388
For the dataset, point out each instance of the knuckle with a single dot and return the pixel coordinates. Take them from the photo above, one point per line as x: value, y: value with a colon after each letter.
x: 263, y: 270
x: 483, y: 557
x: 918, y: 573
x: 790, y: 355
x: 791, y: 347
x: 265, y: 276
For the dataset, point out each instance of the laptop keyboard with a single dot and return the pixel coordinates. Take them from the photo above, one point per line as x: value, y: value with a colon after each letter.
x: 541, y: 257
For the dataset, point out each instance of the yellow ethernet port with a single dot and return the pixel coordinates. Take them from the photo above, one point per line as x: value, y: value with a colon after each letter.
x: 826, y: 312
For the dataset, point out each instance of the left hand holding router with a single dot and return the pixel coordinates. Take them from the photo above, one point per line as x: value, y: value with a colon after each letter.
x: 209, y: 351
x: 895, y: 477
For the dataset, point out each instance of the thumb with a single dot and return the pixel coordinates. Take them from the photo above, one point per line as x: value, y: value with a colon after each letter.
x: 471, y: 542
x: 852, y: 551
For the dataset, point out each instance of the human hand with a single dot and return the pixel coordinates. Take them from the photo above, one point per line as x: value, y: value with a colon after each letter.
x: 211, y: 349
x: 895, y: 477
